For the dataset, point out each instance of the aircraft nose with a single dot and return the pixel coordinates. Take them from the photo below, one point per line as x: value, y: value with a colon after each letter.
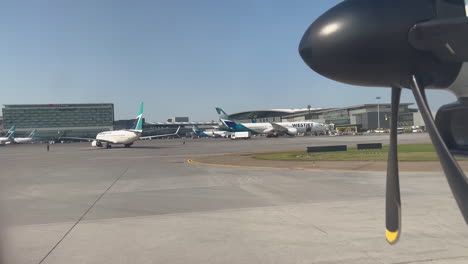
x: 363, y: 42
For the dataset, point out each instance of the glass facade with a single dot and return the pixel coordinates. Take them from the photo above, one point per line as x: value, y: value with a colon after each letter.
x: 78, y: 119
x: 406, y: 120
x: 337, y: 117
x: 258, y: 115
x: 53, y: 116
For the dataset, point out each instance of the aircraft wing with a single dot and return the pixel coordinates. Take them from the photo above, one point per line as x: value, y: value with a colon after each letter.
x: 279, y: 128
x: 86, y: 139
x: 159, y: 136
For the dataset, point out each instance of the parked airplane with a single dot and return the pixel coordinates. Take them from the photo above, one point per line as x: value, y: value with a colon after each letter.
x: 25, y: 140
x: 208, y: 133
x: 273, y: 128
x: 124, y: 137
x: 8, y: 137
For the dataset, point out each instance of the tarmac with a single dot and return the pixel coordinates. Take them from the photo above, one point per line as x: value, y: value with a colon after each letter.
x: 147, y: 204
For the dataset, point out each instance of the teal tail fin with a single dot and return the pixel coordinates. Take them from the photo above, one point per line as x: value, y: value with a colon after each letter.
x: 229, y: 124
x: 11, y: 132
x: 139, y: 120
x: 221, y: 113
x: 11, y: 135
x: 33, y: 133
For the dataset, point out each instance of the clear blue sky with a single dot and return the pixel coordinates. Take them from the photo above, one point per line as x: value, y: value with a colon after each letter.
x: 182, y: 58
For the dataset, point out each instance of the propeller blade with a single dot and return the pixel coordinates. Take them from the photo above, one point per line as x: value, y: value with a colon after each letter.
x: 393, y: 203
x: 446, y: 38
x: 455, y: 176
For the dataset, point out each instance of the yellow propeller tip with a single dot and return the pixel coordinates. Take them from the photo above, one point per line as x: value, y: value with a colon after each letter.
x: 392, y: 237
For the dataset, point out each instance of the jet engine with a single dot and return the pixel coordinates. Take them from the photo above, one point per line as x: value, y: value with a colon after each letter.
x: 95, y: 143
x: 292, y: 131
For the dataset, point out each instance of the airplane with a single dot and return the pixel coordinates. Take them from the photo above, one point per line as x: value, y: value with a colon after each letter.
x: 400, y: 44
x: 9, y: 136
x: 24, y: 140
x: 273, y: 128
x: 124, y: 137
x: 207, y: 133
x: 221, y: 113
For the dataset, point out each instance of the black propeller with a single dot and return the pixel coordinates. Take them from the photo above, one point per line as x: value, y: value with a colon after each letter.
x: 393, y: 203
x: 455, y: 176
x: 417, y: 44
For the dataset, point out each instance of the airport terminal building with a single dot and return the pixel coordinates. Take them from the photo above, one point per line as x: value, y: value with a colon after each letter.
x: 56, y: 120
x: 53, y: 121
x: 363, y: 117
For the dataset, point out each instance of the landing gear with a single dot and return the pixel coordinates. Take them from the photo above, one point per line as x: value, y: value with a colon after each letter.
x: 108, y: 146
x: 128, y: 145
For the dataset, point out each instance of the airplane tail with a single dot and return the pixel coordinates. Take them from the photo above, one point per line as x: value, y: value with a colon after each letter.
x: 221, y: 113
x: 139, y: 120
x: 33, y: 133
x: 11, y: 132
x: 229, y: 124
x: 11, y: 135
x: 12, y: 129
x: 177, y: 132
x: 195, y: 128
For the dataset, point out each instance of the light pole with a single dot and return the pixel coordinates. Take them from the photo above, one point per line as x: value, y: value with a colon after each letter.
x: 378, y: 111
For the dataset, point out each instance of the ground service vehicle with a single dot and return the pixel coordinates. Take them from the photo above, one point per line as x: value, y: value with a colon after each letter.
x: 241, y: 135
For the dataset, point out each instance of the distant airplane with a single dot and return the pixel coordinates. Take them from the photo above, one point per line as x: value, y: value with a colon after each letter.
x: 208, y: 133
x: 273, y: 128
x: 124, y: 137
x: 25, y: 140
x: 8, y: 137
x: 221, y: 113
x: 199, y: 133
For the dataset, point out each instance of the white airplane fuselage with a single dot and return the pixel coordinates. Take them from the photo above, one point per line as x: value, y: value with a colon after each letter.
x: 118, y: 137
x: 294, y: 128
x: 23, y: 140
x: 215, y: 133
x: 4, y: 140
x: 218, y: 133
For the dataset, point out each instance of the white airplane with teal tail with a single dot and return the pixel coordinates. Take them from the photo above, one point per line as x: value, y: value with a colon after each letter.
x: 8, y: 137
x: 124, y: 137
x: 25, y: 140
x: 208, y: 133
x: 273, y: 128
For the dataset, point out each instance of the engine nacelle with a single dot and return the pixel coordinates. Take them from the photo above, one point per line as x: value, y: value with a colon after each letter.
x: 95, y: 143
x: 452, y: 121
x: 292, y: 131
x: 366, y: 43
